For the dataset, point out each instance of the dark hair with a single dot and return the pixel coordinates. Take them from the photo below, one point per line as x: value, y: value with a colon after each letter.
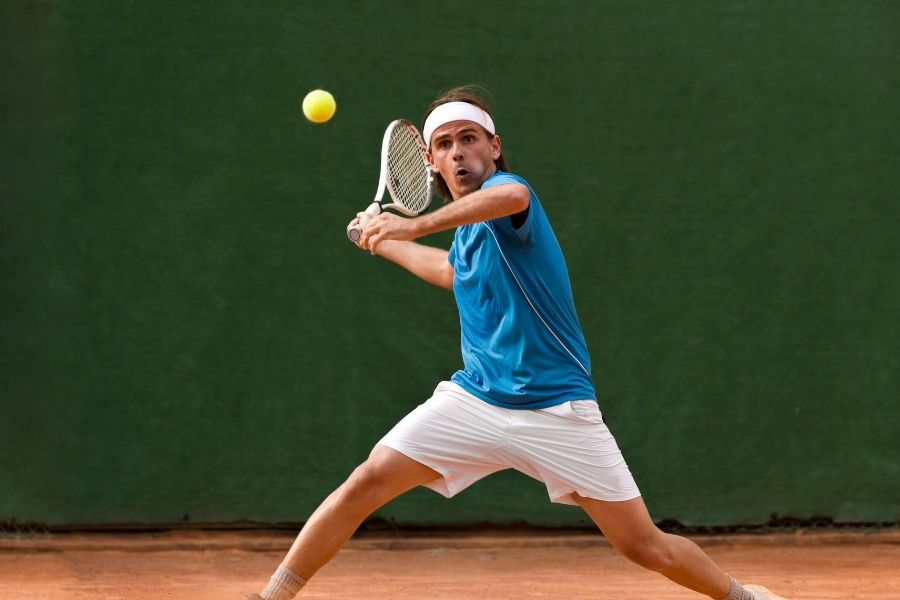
x: 473, y: 95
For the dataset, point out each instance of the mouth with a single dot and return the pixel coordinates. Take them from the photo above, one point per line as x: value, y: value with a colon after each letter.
x: 460, y: 173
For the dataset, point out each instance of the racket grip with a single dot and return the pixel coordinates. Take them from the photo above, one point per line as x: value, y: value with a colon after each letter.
x: 354, y: 232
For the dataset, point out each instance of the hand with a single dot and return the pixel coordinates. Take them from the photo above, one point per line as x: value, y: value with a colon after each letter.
x: 357, y: 223
x: 385, y: 226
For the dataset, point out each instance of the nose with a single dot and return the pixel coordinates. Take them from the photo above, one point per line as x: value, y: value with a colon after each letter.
x: 456, y: 151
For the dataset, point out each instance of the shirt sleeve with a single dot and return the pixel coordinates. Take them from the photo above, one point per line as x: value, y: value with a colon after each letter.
x: 451, y: 255
x: 522, y: 235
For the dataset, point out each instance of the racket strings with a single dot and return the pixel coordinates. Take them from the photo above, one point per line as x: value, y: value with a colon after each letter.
x: 408, y: 171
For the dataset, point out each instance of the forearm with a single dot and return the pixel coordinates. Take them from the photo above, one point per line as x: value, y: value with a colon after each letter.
x: 481, y: 205
x: 427, y: 263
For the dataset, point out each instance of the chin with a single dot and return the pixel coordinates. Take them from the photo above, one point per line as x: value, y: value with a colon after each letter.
x: 466, y: 190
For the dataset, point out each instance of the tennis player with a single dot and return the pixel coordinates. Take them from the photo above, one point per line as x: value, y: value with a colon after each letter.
x: 524, y: 398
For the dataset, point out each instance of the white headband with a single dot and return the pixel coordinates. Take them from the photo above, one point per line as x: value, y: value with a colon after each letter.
x: 456, y: 111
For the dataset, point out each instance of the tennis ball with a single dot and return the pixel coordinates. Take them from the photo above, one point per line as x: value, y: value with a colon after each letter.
x: 319, y: 106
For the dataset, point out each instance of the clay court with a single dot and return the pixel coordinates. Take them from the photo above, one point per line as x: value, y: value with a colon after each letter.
x: 218, y: 566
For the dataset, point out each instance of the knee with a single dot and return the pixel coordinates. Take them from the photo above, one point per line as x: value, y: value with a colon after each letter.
x: 365, y: 488
x: 652, y: 553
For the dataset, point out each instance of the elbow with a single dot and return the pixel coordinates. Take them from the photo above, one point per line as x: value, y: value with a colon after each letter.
x: 447, y: 278
x: 516, y: 198
x: 521, y: 198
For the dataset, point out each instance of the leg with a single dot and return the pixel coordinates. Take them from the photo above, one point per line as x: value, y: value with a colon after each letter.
x: 628, y: 527
x: 385, y: 475
x: 425, y: 433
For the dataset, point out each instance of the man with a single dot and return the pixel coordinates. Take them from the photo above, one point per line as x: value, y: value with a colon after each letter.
x: 524, y: 399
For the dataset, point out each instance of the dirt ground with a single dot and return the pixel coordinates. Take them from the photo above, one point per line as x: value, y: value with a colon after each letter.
x: 220, y: 565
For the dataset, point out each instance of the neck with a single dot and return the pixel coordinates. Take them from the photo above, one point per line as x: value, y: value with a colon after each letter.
x: 456, y: 194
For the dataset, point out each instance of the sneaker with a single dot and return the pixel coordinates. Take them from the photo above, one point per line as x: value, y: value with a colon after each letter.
x: 759, y: 593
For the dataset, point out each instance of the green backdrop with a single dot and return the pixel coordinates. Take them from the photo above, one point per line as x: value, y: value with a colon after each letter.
x: 186, y: 334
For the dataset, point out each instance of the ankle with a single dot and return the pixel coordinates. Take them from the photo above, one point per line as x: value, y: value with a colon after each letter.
x: 738, y: 592
x: 283, y: 585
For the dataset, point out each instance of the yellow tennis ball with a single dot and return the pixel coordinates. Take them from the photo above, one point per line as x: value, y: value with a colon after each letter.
x: 319, y: 106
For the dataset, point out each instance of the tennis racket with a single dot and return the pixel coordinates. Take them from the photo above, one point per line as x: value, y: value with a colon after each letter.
x: 405, y: 173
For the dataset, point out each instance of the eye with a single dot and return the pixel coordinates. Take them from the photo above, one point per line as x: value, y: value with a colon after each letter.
x: 443, y: 144
x: 469, y: 139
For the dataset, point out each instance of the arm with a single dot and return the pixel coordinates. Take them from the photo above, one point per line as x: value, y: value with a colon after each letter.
x: 427, y: 263
x: 481, y: 205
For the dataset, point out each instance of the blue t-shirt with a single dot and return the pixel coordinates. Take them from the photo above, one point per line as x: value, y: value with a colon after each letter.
x: 522, y: 345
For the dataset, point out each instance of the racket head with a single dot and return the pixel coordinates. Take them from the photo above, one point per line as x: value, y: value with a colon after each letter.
x: 407, y: 173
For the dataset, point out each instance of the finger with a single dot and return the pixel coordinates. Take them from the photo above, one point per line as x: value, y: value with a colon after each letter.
x: 364, y: 219
x: 364, y: 237
x: 374, y: 241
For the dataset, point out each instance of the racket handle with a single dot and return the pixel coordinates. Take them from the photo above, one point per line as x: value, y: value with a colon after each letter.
x: 354, y: 232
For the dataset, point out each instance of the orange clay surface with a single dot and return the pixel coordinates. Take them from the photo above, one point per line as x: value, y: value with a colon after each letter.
x: 198, y: 565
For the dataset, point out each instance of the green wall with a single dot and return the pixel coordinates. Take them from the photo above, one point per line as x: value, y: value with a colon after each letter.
x: 186, y: 334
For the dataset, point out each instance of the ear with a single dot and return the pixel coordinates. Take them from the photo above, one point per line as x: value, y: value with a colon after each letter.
x: 495, y: 147
x: 430, y: 159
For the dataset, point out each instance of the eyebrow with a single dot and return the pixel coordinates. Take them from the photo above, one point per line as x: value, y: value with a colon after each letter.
x: 460, y: 132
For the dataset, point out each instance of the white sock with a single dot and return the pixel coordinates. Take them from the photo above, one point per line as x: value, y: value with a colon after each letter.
x: 283, y: 585
x: 738, y: 592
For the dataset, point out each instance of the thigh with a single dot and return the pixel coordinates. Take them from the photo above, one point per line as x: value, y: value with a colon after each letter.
x: 570, y: 449
x: 453, y: 433
x: 392, y: 473
x: 624, y: 523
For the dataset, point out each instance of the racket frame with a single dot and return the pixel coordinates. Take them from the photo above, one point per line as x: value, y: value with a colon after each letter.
x: 384, y: 183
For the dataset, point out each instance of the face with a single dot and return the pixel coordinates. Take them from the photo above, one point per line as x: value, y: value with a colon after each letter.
x: 464, y: 154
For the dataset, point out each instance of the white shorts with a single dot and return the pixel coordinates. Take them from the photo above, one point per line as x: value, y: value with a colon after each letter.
x: 567, y: 447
